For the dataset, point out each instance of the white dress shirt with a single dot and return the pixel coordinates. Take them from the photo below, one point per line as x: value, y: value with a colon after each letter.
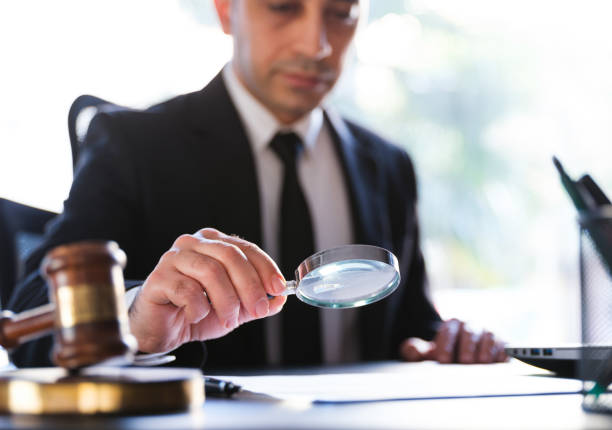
x: 321, y: 178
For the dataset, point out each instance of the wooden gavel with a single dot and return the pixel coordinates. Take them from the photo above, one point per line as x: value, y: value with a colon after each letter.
x: 86, y: 313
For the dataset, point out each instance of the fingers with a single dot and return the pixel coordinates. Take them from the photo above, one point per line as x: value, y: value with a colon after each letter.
x: 499, y: 353
x: 455, y: 342
x: 485, y: 348
x: 276, y: 304
x: 480, y: 347
x: 269, y: 273
x: 188, y: 294
x: 167, y: 305
x: 214, y: 281
x: 446, y: 340
x: 227, y: 274
x: 490, y: 349
x: 466, y: 348
x: 206, y: 285
x: 415, y: 349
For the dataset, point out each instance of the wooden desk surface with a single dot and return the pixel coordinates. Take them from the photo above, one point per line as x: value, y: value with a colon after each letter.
x: 538, y: 412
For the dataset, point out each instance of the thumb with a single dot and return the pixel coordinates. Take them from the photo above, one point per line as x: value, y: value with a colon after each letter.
x: 416, y: 349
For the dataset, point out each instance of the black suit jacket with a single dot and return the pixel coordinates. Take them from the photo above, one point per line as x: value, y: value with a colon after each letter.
x: 145, y: 177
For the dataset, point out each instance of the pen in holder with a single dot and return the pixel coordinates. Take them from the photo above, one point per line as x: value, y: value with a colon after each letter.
x: 596, y: 308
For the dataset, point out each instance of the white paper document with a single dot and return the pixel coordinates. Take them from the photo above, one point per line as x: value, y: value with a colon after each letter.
x: 411, y: 381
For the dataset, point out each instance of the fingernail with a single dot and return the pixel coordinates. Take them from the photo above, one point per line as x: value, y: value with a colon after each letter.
x: 278, y: 284
x: 232, y: 322
x: 262, y: 308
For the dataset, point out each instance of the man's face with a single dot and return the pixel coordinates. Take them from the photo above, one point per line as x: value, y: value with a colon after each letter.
x: 289, y: 53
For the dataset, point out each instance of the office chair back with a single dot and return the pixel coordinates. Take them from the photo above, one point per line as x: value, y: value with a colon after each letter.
x: 81, y: 112
x: 21, y: 230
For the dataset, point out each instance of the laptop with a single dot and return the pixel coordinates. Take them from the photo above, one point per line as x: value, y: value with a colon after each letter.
x: 564, y: 360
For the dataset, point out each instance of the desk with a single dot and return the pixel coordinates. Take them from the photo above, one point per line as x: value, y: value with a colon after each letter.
x: 561, y: 411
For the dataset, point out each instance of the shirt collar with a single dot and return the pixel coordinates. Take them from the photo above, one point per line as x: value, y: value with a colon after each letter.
x: 260, y: 124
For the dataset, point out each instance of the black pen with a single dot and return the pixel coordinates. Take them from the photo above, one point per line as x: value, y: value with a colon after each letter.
x: 218, y: 388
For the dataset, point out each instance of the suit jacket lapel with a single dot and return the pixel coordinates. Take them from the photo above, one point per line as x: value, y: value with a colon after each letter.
x: 365, y: 184
x: 230, y: 157
x: 360, y: 170
x: 234, y: 200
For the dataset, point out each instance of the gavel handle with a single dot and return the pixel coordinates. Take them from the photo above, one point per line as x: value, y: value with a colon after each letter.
x: 27, y: 325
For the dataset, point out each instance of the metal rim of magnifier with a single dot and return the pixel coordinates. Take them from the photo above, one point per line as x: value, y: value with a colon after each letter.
x: 343, y: 253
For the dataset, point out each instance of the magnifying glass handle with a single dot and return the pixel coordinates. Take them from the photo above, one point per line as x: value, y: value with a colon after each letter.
x: 290, y: 288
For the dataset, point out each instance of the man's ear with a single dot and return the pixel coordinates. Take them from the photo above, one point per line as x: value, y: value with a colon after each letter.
x: 223, y: 12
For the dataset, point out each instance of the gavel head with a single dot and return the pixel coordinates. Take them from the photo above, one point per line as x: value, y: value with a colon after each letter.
x: 86, y: 285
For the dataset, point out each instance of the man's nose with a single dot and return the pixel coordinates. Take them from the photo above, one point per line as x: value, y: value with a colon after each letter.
x: 312, y: 38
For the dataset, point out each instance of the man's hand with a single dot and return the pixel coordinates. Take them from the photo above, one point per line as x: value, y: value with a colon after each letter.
x: 455, y: 343
x: 205, y: 286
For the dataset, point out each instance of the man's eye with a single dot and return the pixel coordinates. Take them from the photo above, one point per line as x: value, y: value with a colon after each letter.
x: 340, y: 14
x: 344, y: 14
x: 284, y: 7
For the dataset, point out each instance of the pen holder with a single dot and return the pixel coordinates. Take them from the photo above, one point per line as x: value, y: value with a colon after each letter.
x: 595, y: 367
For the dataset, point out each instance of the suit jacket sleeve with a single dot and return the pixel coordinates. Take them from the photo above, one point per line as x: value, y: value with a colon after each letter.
x: 391, y: 198
x: 103, y: 204
x: 414, y: 313
x: 100, y: 206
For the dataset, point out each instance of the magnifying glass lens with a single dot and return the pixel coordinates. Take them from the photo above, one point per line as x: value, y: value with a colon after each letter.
x: 348, y: 283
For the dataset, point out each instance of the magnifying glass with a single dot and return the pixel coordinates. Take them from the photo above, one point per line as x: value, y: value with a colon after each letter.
x: 345, y: 277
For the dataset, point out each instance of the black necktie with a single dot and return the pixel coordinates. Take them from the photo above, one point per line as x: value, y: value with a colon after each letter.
x: 300, y: 326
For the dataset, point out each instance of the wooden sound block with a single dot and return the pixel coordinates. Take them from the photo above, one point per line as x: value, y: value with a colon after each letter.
x: 100, y: 390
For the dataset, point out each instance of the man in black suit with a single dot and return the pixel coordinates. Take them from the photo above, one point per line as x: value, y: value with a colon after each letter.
x: 215, y: 158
